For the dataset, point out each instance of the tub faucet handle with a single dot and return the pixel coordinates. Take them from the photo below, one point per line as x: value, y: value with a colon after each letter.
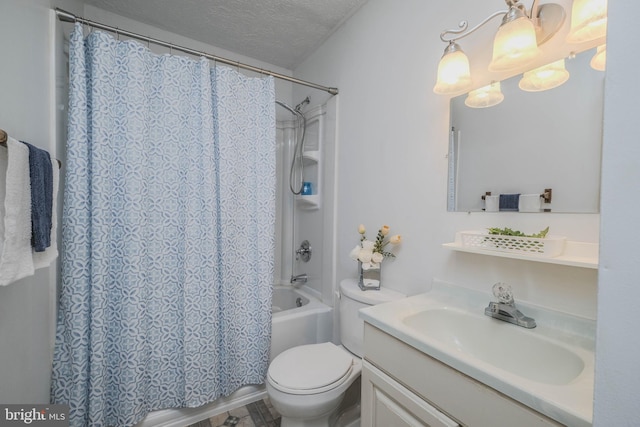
x: 304, y: 251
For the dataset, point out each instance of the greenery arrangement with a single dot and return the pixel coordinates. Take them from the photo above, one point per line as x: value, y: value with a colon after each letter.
x: 509, y: 232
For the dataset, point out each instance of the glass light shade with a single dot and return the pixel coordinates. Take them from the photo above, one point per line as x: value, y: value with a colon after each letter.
x: 599, y: 60
x: 545, y: 77
x: 514, y: 45
x: 486, y: 96
x: 453, y: 72
x: 588, y: 20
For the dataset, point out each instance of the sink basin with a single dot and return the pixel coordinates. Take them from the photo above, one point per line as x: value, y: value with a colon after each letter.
x: 549, y: 369
x: 503, y: 345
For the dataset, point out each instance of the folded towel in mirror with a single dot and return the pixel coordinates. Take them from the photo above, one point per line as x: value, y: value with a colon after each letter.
x: 529, y: 203
x: 509, y: 202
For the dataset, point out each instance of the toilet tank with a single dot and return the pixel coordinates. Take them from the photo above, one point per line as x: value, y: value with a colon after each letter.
x: 352, y: 299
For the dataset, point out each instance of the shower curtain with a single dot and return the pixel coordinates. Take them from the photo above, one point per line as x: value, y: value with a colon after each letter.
x: 168, y: 233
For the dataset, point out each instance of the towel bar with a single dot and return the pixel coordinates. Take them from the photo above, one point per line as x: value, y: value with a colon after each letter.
x: 3, y: 142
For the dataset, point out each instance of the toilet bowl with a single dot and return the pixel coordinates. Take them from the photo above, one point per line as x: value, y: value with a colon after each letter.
x: 306, y: 384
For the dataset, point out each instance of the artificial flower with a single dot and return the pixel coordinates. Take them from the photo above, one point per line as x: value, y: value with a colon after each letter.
x: 371, y: 253
x: 394, y: 240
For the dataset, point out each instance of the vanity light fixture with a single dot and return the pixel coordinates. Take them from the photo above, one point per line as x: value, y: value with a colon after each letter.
x: 515, y: 44
x: 545, y: 77
x: 453, y: 71
x: 599, y: 60
x: 486, y: 96
x: 588, y: 20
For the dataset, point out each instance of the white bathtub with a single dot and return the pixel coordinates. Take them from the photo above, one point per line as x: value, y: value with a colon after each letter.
x: 291, y: 326
x: 298, y: 318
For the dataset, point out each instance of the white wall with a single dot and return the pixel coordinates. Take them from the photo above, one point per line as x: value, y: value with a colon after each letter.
x: 391, y: 169
x: 26, y: 112
x: 393, y: 138
x: 618, y: 344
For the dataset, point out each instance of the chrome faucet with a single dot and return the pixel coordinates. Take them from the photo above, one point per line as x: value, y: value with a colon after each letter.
x: 505, y: 309
x: 300, y: 278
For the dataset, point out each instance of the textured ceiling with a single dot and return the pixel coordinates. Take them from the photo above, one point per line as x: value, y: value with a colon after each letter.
x: 280, y: 32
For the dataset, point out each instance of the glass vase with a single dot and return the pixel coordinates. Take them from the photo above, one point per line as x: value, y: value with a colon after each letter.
x: 369, y: 280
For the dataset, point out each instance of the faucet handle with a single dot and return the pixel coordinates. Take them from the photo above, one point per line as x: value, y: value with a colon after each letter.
x: 503, y: 292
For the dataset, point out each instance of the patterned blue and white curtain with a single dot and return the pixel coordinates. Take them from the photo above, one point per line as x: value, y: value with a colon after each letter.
x: 168, y: 233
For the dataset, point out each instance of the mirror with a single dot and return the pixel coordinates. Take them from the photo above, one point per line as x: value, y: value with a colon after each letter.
x: 530, y: 142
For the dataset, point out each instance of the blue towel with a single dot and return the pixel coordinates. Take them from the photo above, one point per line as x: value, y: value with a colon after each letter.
x: 41, y: 174
x: 509, y: 202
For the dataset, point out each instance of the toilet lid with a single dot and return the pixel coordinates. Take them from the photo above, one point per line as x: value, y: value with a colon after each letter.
x: 308, y: 368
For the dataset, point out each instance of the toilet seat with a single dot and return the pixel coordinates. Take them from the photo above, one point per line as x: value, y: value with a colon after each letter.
x: 310, y: 369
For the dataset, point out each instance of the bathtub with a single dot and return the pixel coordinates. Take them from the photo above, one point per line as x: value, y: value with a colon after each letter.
x: 298, y: 318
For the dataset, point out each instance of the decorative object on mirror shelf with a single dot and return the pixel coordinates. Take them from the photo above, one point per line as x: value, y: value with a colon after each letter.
x: 514, y: 241
x: 370, y: 254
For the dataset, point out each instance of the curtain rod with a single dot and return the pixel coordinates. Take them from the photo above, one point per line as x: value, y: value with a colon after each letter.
x: 70, y: 17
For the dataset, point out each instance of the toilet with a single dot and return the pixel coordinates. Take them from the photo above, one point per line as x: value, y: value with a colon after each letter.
x: 306, y: 384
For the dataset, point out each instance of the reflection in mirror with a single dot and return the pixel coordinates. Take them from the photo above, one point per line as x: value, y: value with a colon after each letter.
x: 530, y: 142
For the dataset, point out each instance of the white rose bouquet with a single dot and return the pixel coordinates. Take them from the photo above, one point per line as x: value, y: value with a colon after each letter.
x: 372, y: 252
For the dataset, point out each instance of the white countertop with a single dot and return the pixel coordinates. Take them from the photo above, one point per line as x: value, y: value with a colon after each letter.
x: 570, y: 404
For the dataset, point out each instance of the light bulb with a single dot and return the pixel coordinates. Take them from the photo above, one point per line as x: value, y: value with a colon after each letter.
x: 486, y: 96
x: 588, y: 20
x: 514, y: 45
x: 453, y: 71
x: 545, y: 77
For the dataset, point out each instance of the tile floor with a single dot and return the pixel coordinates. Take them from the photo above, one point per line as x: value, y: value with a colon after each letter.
x: 256, y: 414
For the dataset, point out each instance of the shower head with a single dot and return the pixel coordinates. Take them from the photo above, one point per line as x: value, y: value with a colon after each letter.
x: 304, y: 102
x: 285, y: 106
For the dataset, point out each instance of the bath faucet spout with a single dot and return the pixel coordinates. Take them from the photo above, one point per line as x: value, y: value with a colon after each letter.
x: 300, y: 278
x: 505, y: 309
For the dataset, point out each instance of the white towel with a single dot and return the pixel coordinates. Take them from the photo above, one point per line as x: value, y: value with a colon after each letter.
x: 16, y: 260
x: 43, y: 259
x: 529, y: 203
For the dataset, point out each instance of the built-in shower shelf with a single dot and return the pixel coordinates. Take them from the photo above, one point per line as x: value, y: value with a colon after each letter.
x: 309, y: 202
x: 311, y: 156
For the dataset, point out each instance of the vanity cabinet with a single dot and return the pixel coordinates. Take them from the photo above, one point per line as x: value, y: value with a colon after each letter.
x: 401, y: 386
x: 386, y: 402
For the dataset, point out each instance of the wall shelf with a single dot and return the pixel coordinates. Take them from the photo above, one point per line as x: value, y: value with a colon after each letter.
x: 311, y: 156
x: 312, y: 160
x: 575, y: 254
x: 308, y: 202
